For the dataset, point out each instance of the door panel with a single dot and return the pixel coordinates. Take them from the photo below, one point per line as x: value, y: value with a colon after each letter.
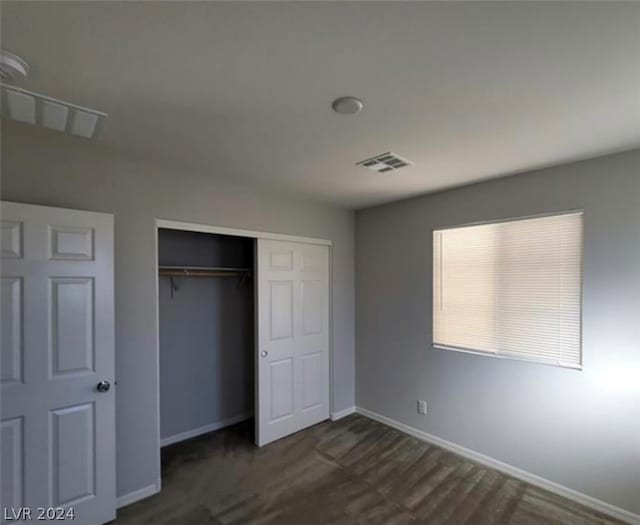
x: 73, y: 244
x: 72, y: 330
x: 281, y: 260
x: 281, y: 309
x: 312, y: 307
x: 11, y: 345
x: 57, y: 343
x: 73, y: 452
x: 293, y: 337
x: 11, y: 458
x: 281, y: 378
x: 11, y: 238
x: 312, y: 378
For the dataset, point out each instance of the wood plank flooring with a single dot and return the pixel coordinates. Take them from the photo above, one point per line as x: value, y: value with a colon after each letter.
x: 353, y: 471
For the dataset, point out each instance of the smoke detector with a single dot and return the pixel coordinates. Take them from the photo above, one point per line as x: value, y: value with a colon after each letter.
x: 385, y: 162
x: 12, y: 66
x: 347, y: 105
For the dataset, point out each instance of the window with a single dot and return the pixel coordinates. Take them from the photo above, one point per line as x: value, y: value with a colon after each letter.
x: 511, y: 289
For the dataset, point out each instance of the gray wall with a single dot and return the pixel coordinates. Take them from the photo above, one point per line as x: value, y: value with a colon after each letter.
x: 206, y: 333
x: 578, y: 428
x: 48, y: 168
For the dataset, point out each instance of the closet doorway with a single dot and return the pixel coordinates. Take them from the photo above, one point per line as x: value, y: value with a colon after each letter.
x: 206, y: 328
x: 244, y: 331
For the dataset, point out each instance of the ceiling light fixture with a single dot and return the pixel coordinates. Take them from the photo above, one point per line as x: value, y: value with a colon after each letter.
x: 40, y: 110
x: 347, y: 105
x: 12, y: 66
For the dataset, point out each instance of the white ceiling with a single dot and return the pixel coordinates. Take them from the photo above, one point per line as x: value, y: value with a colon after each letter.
x: 243, y: 91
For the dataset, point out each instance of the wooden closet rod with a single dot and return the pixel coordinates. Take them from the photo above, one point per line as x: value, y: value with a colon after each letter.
x: 203, y: 273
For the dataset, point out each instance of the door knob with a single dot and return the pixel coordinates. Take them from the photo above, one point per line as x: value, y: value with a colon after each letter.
x: 103, y: 386
x: 264, y: 353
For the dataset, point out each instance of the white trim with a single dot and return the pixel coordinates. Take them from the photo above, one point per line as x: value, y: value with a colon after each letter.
x: 533, y: 479
x: 342, y: 413
x: 137, y: 495
x: 93, y: 213
x: 204, y: 429
x: 206, y: 228
x: 156, y: 274
x: 332, y: 380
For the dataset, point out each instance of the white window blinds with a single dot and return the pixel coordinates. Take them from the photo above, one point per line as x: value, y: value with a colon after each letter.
x: 511, y: 289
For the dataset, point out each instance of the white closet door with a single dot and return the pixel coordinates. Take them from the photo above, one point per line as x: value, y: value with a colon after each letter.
x: 57, y: 349
x: 293, y: 338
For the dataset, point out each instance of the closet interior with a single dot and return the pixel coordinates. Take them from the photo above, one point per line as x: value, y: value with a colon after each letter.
x: 206, y: 313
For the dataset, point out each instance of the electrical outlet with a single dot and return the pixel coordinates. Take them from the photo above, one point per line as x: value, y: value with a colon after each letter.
x: 422, y: 407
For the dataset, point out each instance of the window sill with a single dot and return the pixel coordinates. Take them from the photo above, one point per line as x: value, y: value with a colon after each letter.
x: 556, y: 364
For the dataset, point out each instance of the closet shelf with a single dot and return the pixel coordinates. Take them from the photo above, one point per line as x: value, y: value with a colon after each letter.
x: 202, y: 271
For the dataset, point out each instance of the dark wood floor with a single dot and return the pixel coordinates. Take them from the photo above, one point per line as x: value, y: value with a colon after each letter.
x: 354, y: 471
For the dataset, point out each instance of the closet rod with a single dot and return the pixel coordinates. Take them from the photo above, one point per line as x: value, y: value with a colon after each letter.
x: 203, y: 273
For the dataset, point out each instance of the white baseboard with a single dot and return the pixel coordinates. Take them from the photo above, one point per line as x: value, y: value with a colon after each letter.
x: 137, y: 495
x: 342, y: 413
x: 204, y: 429
x: 579, y: 497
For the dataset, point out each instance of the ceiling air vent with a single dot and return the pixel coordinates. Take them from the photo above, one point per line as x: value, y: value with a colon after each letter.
x: 385, y: 162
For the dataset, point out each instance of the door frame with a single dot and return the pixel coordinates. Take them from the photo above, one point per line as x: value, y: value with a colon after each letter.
x: 170, y: 224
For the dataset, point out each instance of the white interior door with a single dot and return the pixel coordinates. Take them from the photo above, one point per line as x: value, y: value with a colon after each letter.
x: 293, y: 338
x: 57, y: 345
